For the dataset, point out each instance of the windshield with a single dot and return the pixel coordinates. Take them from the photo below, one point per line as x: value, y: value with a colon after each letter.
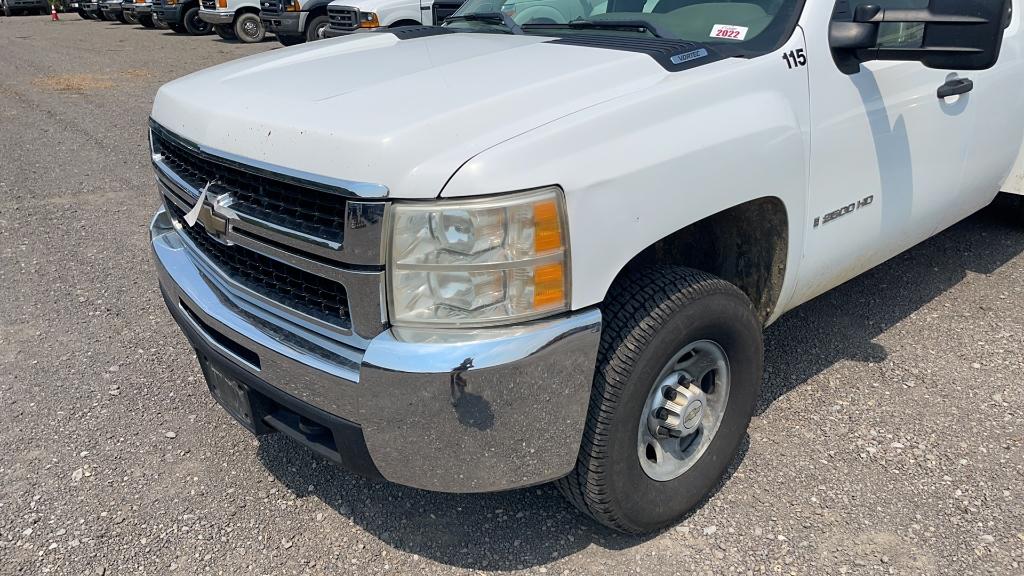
x: 760, y: 23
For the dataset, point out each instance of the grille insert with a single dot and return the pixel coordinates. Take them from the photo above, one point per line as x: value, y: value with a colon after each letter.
x: 313, y: 295
x: 342, y: 18
x: 306, y: 210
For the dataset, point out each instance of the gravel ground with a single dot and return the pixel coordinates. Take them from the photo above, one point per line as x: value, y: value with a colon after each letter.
x: 889, y: 439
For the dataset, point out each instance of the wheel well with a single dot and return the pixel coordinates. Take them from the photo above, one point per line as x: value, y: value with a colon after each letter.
x: 405, y: 22
x: 320, y: 10
x: 745, y: 245
x: 248, y: 9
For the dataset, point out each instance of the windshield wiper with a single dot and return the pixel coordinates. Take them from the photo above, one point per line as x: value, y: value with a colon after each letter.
x: 495, y: 17
x: 637, y: 25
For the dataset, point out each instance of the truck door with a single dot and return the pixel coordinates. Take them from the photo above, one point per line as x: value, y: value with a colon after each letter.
x: 999, y: 127
x: 887, y: 154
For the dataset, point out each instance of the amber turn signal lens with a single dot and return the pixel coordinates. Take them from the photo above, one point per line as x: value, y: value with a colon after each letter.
x: 222, y: 3
x: 548, y: 286
x: 547, y: 229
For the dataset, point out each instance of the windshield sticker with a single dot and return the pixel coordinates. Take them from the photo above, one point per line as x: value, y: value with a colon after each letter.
x: 728, y: 32
x: 688, y: 56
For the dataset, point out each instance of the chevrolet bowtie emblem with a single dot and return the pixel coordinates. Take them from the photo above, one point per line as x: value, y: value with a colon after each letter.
x: 202, y: 212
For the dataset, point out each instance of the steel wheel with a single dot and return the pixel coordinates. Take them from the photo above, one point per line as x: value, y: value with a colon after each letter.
x: 317, y: 28
x: 249, y: 28
x: 195, y: 25
x: 684, y: 410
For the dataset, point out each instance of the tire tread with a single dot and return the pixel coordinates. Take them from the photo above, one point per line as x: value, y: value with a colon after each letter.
x: 642, y: 302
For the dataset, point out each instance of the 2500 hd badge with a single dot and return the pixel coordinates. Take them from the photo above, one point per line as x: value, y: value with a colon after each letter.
x: 539, y: 242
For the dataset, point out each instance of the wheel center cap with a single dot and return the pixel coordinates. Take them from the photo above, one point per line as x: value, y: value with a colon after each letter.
x: 678, y: 412
x: 692, y: 416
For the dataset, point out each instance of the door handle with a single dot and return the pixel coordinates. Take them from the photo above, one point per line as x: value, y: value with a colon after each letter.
x: 955, y: 87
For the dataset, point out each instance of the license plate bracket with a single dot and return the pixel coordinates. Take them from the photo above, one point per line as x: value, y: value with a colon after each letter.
x: 231, y: 394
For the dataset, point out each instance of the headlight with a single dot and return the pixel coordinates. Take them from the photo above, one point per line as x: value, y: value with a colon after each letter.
x: 170, y: 2
x: 368, y: 20
x: 479, y: 262
x: 292, y: 6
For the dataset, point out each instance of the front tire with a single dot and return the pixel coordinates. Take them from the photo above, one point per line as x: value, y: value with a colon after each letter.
x: 131, y: 18
x: 678, y: 375
x: 249, y: 28
x: 194, y: 25
x: 317, y: 28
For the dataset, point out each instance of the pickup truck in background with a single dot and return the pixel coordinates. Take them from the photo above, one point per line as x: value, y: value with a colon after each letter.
x: 346, y: 17
x: 112, y: 11
x: 181, y: 16
x: 19, y: 7
x: 141, y: 11
x: 295, y: 22
x: 234, y: 19
x: 557, y: 266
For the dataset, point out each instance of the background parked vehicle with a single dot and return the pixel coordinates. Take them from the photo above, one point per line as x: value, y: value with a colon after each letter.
x: 234, y: 19
x: 128, y: 12
x: 91, y: 9
x: 111, y: 10
x: 140, y: 10
x: 294, y: 22
x: 346, y: 16
x: 18, y: 7
x: 182, y: 17
x: 76, y: 6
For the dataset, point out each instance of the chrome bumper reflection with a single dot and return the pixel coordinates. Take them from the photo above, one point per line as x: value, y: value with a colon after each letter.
x: 455, y: 411
x: 216, y: 18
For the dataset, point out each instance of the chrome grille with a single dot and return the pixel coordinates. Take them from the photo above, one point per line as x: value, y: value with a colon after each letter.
x: 301, y: 209
x: 307, y: 293
x: 309, y: 248
x: 343, y: 18
x: 271, y: 7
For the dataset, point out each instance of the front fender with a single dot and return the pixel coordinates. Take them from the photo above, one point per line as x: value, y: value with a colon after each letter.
x: 642, y: 166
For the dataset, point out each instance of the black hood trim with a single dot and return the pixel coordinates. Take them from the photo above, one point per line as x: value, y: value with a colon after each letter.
x: 413, y: 32
x: 672, y: 55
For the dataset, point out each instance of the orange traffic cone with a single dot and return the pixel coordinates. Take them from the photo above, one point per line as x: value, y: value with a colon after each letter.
x: 53, y: 14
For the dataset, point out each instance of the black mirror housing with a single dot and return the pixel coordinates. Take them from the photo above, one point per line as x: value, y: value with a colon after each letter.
x: 958, y: 35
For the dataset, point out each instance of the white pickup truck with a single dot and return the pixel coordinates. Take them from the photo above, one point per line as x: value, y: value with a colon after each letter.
x: 234, y: 19
x: 348, y: 17
x: 523, y: 248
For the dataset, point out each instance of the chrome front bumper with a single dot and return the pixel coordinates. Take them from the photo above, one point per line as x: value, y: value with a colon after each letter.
x: 455, y: 411
x: 215, y: 17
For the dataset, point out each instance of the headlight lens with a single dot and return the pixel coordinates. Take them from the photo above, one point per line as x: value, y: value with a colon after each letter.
x: 479, y: 262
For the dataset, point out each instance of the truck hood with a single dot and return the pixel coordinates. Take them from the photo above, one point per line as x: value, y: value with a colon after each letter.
x: 402, y: 113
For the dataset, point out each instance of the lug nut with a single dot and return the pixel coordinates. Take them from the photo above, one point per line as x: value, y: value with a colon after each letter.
x: 670, y: 394
x: 662, y: 413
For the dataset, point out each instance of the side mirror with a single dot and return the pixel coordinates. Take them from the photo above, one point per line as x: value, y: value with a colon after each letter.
x: 948, y: 35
